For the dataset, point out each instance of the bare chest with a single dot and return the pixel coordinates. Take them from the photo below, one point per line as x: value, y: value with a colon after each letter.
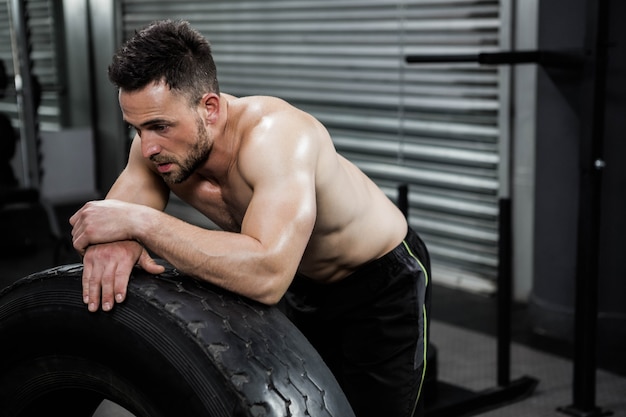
x: 224, y: 204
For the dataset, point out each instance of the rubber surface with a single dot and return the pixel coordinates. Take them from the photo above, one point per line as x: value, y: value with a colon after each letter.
x: 176, y: 346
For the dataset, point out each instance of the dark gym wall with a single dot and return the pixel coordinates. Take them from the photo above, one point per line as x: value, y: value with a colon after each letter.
x: 562, y: 116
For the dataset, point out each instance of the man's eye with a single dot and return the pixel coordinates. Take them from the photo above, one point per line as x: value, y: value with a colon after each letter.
x: 132, y: 131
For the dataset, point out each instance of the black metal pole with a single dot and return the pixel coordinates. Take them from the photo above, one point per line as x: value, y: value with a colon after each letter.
x: 507, y: 390
x: 24, y: 88
x: 589, y: 220
x: 505, y: 291
x: 587, y: 271
x: 557, y: 58
x: 495, y: 58
x: 403, y: 199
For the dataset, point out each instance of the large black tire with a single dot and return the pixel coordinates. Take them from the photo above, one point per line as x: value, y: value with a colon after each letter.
x: 175, y: 347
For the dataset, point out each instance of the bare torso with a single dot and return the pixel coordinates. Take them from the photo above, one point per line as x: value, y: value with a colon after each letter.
x: 355, y: 221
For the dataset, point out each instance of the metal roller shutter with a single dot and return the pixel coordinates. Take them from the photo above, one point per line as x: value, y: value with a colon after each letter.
x: 7, y: 103
x: 434, y: 127
x: 41, y: 25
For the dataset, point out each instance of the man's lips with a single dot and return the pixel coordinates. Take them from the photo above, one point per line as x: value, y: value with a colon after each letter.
x: 164, y: 167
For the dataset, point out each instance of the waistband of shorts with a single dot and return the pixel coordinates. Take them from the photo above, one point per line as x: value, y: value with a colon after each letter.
x: 391, y: 258
x: 386, y: 261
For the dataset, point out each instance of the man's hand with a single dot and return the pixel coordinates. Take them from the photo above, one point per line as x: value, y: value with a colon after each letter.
x: 104, y: 221
x: 107, y: 269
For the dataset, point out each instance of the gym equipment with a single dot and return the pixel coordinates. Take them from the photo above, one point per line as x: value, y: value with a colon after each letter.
x: 447, y: 400
x: 175, y: 347
x: 21, y: 204
x: 593, y: 61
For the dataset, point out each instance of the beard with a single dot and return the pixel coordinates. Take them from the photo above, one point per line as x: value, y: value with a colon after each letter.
x: 197, y: 155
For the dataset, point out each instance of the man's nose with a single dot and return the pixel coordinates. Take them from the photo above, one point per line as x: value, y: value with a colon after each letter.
x: 149, y: 148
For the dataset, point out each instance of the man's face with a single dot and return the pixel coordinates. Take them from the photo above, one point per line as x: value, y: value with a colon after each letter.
x: 173, y: 135
x: 176, y: 170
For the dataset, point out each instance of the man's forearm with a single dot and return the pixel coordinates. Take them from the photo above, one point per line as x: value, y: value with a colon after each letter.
x: 234, y: 261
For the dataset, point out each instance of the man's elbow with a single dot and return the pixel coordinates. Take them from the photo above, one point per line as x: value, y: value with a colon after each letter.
x: 271, y: 297
x: 269, y: 300
x: 274, y: 289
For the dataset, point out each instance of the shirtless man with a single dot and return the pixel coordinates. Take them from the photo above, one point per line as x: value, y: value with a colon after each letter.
x: 299, y: 222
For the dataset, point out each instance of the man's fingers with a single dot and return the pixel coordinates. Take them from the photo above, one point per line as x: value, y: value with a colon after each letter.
x: 108, y: 284
x: 149, y: 265
x: 122, y: 276
x: 106, y: 272
x: 75, y: 217
x: 86, y: 281
x: 94, y: 283
x: 78, y: 242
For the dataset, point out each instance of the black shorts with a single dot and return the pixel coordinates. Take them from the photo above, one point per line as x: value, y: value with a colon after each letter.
x: 371, y: 328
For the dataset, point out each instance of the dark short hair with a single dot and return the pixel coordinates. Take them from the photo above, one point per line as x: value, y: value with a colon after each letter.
x: 169, y: 51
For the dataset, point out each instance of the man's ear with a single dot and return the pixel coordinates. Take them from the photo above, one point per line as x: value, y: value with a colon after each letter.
x: 210, y: 104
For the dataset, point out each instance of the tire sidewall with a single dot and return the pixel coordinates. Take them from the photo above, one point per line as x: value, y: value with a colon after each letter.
x: 176, y: 346
x: 133, y: 355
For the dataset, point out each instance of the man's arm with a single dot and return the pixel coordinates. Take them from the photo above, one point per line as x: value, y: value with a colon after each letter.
x: 259, y: 262
x: 107, y: 267
x: 137, y: 183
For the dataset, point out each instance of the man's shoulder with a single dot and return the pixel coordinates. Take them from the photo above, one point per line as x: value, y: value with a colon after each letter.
x: 260, y: 105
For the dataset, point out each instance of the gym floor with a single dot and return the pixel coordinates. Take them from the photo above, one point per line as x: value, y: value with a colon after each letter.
x: 462, y: 329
